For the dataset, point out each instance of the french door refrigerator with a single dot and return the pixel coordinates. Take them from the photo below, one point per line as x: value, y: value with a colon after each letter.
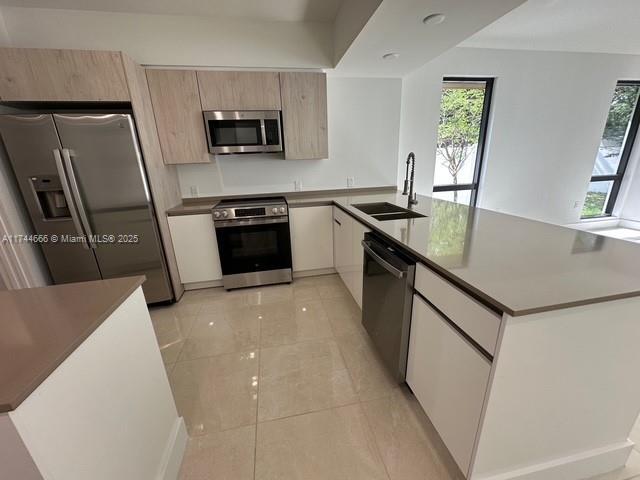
x: 83, y: 181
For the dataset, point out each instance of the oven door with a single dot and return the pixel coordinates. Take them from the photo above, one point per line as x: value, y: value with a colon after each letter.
x: 243, y: 131
x: 250, y: 247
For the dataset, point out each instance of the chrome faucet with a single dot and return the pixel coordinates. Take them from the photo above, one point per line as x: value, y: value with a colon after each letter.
x: 408, y: 182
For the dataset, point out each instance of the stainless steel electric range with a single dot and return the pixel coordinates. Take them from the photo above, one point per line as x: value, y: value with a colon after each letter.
x: 253, y: 241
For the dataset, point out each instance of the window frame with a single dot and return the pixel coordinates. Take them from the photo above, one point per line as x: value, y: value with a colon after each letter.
x: 627, y: 147
x: 482, y: 139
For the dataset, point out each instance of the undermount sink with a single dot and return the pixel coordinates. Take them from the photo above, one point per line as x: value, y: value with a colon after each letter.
x: 379, y: 207
x: 397, y: 216
x: 386, y: 211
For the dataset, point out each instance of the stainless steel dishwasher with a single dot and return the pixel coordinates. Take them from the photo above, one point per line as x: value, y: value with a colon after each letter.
x: 387, y: 296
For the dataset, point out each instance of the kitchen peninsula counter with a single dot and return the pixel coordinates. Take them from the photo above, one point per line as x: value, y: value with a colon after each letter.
x: 83, y: 389
x: 43, y: 326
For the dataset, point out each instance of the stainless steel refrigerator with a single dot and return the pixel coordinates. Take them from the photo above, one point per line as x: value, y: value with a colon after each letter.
x: 82, y: 177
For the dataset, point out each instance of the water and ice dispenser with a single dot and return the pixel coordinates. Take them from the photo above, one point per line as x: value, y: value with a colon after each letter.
x: 50, y: 197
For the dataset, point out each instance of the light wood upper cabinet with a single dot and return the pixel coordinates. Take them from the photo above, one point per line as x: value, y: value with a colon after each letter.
x: 176, y: 105
x: 304, y: 115
x: 31, y: 74
x: 239, y: 90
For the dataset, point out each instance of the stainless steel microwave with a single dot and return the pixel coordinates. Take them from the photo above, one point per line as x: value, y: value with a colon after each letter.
x: 246, y: 131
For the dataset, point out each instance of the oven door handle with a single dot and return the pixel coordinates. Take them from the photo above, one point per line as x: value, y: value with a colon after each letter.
x: 250, y: 222
x: 382, y: 262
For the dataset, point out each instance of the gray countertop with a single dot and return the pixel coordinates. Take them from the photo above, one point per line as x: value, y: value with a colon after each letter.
x: 198, y: 206
x: 41, y: 327
x: 515, y: 265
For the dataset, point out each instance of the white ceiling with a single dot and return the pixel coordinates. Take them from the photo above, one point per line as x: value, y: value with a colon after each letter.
x: 270, y: 10
x: 396, y: 26
x: 605, y: 26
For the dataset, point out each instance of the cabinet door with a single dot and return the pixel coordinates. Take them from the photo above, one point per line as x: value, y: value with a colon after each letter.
x: 33, y: 74
x: 304, y: 115
x: 176, y: 106
x: 239, y: 90
x: 342, y: 243
x: 449, y: 378
x: 357, y: 260
x: 311, y: 237
x: 196, y: 248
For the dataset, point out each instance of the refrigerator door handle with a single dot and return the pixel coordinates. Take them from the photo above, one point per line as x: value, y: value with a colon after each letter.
x: 73, y: 184
x: 75, y: 217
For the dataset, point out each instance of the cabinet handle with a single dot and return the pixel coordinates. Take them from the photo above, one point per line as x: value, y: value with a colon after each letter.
x: 336, y: 220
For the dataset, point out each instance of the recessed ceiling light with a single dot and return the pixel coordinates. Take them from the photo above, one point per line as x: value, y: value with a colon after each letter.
x: 390, y: 55
x: 434, y: 19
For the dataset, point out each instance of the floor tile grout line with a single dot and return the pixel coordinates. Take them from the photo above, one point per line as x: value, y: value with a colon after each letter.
x: 364, y: 413
x: 348, y: 404
x: 373, y: 435
x: 255, y: 434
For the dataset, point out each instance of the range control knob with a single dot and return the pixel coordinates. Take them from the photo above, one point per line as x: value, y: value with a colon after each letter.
x: 282, y: 210
x: 216, y: 214
x: 274, y: 210
x: 225, y: 214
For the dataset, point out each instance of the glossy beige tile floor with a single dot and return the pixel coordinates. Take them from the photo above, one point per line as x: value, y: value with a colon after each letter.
x: 281, y: 382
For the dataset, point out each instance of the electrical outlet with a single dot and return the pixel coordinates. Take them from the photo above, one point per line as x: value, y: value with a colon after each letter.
x: 350, y: 182
x: 297, y: 185
x: 194, y: 190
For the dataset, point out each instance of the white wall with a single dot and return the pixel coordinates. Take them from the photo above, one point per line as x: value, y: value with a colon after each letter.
x: 364, y: 117
x: 175, y: 39
x: 548, y: 114
x: 628, y: 204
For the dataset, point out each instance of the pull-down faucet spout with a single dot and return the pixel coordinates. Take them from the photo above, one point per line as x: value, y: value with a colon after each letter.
x: 408, y: 180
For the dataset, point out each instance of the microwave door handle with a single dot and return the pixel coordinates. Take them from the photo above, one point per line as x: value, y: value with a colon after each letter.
x: 75, y: 190
x: 264, y: 132
x: 75, y: 217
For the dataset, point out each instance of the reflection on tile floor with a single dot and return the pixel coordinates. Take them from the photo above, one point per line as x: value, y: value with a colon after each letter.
x: 281, y: 382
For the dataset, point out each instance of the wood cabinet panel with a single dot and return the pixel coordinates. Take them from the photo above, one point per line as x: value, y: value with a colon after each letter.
x: 196, y: 247
x: 31, y: 74
x: 176, y: 105
x: 304, y: 115
x: 449, y: 378
x: 239, y: 90
x: 311, y: 237
x: 163, y: 179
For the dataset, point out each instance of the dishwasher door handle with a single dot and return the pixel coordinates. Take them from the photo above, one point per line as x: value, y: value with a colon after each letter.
x: 382, y: 262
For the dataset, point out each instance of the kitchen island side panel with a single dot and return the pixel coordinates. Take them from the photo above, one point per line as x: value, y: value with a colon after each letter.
x: 562, y: 398
x: 107, y: 411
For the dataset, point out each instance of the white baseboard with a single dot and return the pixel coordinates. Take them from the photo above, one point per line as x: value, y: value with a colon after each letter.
x: 218, y: 283
x: 174, y: 452
x: 313, y: 273
x: 199, y: 285
x: 574, y: 467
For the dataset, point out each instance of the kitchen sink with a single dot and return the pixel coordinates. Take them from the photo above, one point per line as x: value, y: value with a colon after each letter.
x: 386, y: 211
x: 397, y: 216
x: 379, y: 207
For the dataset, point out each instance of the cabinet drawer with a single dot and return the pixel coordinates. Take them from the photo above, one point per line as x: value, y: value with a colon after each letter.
x: 449, y: 377
x: 476, y: 320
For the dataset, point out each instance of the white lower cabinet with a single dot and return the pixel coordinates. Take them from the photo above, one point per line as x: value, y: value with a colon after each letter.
x: 341, y: 243
x: 196, y: 248
x: 311, y: 237
x: 449, y: 377
x: 357, y: 262
x: 348, y: 252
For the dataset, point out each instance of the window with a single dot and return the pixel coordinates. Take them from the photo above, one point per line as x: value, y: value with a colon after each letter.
x: 613, y: 153
x: 462, y: 130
